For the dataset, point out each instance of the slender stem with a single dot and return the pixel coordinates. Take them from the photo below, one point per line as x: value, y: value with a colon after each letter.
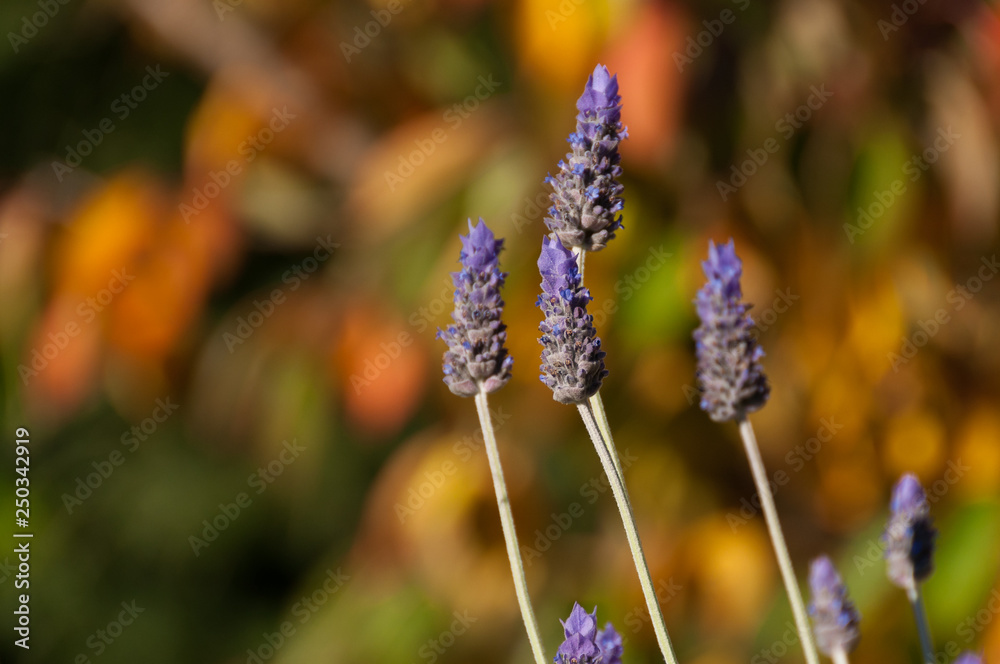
x: 920, y: 615
x: 778, y: 540
x: 509, y: 532
x: 631, y: 532
x: 596, y: 403
x: 839, y: 656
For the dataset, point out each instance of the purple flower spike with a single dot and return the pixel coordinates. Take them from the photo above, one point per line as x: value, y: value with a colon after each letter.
x: 909, y: 536
x: 584, y: 644
x: 577, y: 649
x: 580, y: 622
x: 968, y: 657
x: 835, y: 620
x: 600, y: 98
x: 572, y: 359
x: 610, y: 643
x: 586, y: 194
x: 476, y: 356
x: 908, y: 496
x: 729, y: 372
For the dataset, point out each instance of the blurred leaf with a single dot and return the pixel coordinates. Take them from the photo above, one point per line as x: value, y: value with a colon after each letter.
x: 966, y: 564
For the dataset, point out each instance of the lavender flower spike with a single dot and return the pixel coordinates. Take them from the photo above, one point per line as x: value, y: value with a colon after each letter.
x: 586, y: 194
x: 580, y: 622
x: 968, y: 657
x: 476, y: 355
x: 610, y: 643
x: 729, y: 372
x: 572, y: 359
x: 584, y: 644
x: 835, y: 620
x: 909, y: 536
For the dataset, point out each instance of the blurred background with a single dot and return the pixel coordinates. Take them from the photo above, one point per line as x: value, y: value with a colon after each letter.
x: 226, y: 229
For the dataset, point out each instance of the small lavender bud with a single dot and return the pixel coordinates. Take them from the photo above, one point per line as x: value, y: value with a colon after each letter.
x: 584, y: 644
x: 586, y: 194
x: 476, y: 355
x: 836, y: 623
x: 968, y: 657
x: 572, y: 359
x: 580, y: 622
x: 729, y: 372
x: 610, y: 643
x: 909, y: 535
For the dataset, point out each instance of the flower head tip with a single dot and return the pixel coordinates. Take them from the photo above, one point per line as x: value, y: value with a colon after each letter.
x: 835, y: 620
x: 729, y: 373
x: 584, y: 644
x: 909, y: 535
x: 968, y: 657
x: 600, y: 96
x: 477, y: 357
x: 586, y: 194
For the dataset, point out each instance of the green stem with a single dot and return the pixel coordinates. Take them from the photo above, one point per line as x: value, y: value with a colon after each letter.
x: 509, y: 532
x: 923, y: 628
x: 839, y: 656
x: 596, y: 403
x: 778, y: 539
x: 631, y: 532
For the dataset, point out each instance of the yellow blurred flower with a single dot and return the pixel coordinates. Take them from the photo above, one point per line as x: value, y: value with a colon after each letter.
x: 734, y: 573
x: 978, y: 448
x: 558, y: 39
x: 914, y: 443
